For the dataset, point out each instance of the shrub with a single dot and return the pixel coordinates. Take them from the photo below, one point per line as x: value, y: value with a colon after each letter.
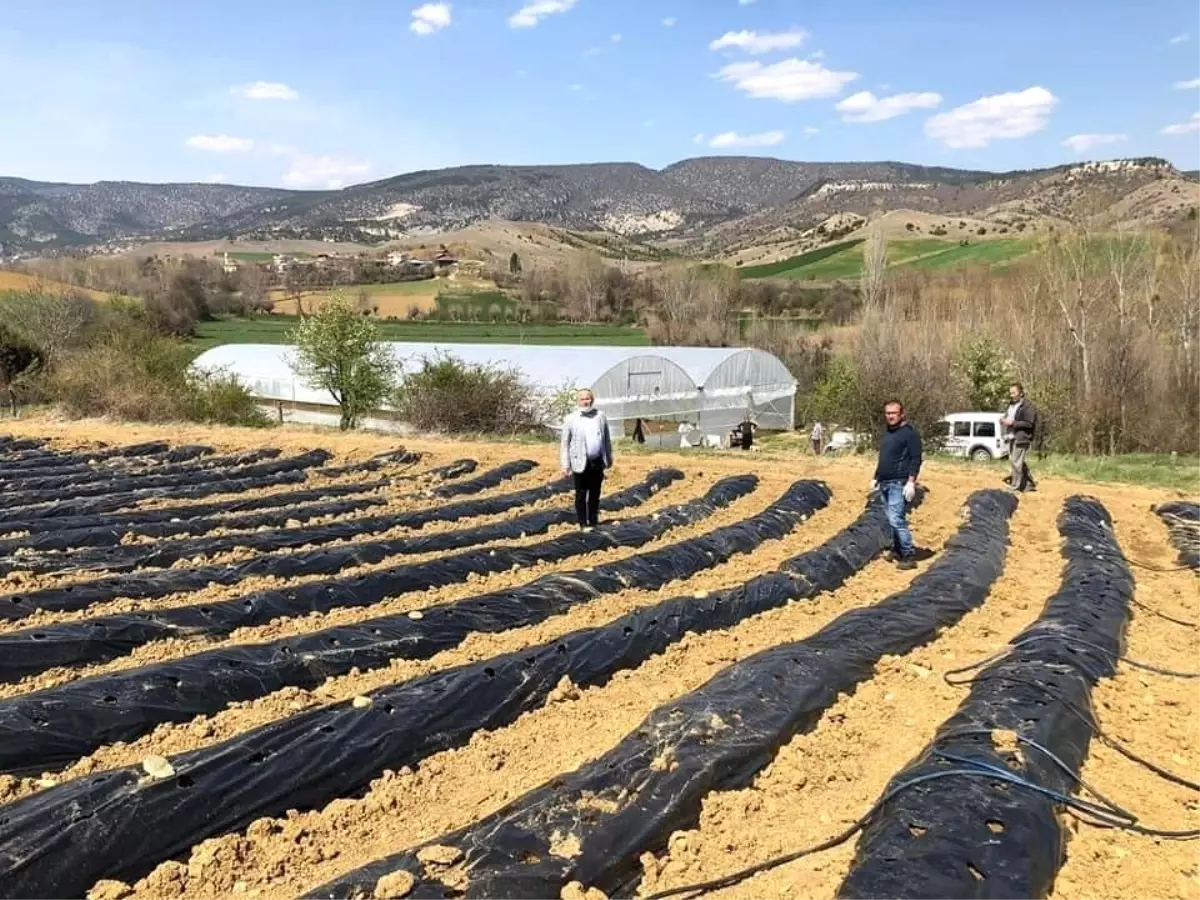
x: 455, y: 397
x: 129, y: 372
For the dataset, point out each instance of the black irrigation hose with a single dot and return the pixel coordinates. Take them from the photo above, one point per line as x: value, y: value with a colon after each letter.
x: 99, y: 639
x: 1182, y: 518
x: 97, y: 481
x: 106, y: 529
x: 979, y: 839
x: 321, y: 561
x: 22, y: 504
x: 50, y: 458
x: 1112, y: 816
x: 118, y: 559
x: 282, y: 472
x: 82, y: 715
x: 397, y: 457
x: 309, y: 758
x: 158, y: 453
x: 198, y: 518
x: 630, y: 800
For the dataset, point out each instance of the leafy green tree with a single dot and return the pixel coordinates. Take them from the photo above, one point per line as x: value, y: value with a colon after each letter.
x: 985, y: 372
x: 339, y: 351
x: 834, y: 396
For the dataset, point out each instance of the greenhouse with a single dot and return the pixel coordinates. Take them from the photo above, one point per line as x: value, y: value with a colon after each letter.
x: 709, y: 388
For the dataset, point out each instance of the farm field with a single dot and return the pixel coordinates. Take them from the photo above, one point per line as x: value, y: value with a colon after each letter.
x: 389, y: 299
x: 273, y: 329
x: 19, y: 282
x: 297, y: 663
x: 845, y: 260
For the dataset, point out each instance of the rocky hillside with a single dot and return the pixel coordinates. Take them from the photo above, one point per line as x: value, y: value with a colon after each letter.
x: 36, y: 215
x: 713, y: 205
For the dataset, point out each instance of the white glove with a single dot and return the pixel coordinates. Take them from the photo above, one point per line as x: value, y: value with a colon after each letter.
x: 910, y: 491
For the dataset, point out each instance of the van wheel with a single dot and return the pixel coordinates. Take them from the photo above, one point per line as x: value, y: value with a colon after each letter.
x: 980, y: 454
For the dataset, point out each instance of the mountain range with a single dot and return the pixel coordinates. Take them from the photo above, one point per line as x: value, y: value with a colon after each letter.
x: 713, y: 205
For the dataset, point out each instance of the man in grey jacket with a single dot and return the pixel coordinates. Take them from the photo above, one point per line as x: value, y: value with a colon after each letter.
x: 1020, y: 423
x: 585, y: 452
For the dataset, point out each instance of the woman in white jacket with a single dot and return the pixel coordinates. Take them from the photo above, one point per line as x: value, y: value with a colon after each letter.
x: 586, y: 452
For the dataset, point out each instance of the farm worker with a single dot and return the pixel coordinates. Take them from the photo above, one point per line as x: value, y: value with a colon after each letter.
x: 816, y: 436
x: 585, y: 452
x: 1020, y: 422
x: 896, y: 475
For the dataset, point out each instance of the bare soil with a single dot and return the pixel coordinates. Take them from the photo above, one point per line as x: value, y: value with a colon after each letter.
x: 817, y: 784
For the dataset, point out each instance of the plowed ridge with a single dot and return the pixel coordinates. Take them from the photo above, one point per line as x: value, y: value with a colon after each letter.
x: 382, y: 671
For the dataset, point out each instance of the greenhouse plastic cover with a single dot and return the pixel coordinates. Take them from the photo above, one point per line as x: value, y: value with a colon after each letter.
x: 712, y: 387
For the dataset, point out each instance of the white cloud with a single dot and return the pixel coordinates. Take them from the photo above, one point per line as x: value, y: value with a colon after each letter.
x: 616, y: 38
x: 429, y: 17
x: 866, y: 107
x: 1082, y: 143
x: 1011, y: 115
x: 1187, y: 85
x: 753, y: 42
x: 219, y: 143
x: 531, y: 13
x: 1193, y: 124
x: 788, y: 80
x: 1178, y: 39
x: 593, y: 51
x: 265, y: 90
x: 811, y: 129
x: 669, y: 22
x: 310, y: 171
x: 728, y: 139
x: 745, y: 2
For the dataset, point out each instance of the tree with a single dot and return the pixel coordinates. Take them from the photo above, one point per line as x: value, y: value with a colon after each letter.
x: 873, y: 283
x: 514, y: 263
x: 19, y: 361
x: 985, y: 372
x: 339, y: 351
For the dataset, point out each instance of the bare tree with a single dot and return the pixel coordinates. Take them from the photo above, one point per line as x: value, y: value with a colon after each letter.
x: 873, y: 283
x: 677, y: 288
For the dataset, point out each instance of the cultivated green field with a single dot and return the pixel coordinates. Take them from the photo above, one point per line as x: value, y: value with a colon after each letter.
x: 273, y: 330
x: 845, y: 260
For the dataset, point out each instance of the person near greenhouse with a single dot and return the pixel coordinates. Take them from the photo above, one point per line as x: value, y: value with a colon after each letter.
x: 586, y: 452
x: 896, y: 476
x: 1020, y: 422
x: 817, y: 435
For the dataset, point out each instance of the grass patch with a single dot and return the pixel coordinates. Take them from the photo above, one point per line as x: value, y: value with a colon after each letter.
x: 845, y: 260
x: 982, y: 253
x: 1181, y: 473
x: 785, y: 267
x: 273, y: 329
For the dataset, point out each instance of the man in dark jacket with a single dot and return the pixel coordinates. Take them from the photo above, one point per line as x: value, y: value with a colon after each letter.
x: 896, y: 474
x: 1020, y: 421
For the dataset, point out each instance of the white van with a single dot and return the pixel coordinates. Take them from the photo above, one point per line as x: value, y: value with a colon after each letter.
x: 977, y: 435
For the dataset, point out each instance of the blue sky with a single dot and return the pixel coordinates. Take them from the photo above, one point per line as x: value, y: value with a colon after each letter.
x: 314, y: 95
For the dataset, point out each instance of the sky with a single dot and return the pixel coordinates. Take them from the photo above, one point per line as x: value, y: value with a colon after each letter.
x: 306, y: 94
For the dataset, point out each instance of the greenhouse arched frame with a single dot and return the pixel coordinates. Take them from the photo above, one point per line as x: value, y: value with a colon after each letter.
x: 710, y: 388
